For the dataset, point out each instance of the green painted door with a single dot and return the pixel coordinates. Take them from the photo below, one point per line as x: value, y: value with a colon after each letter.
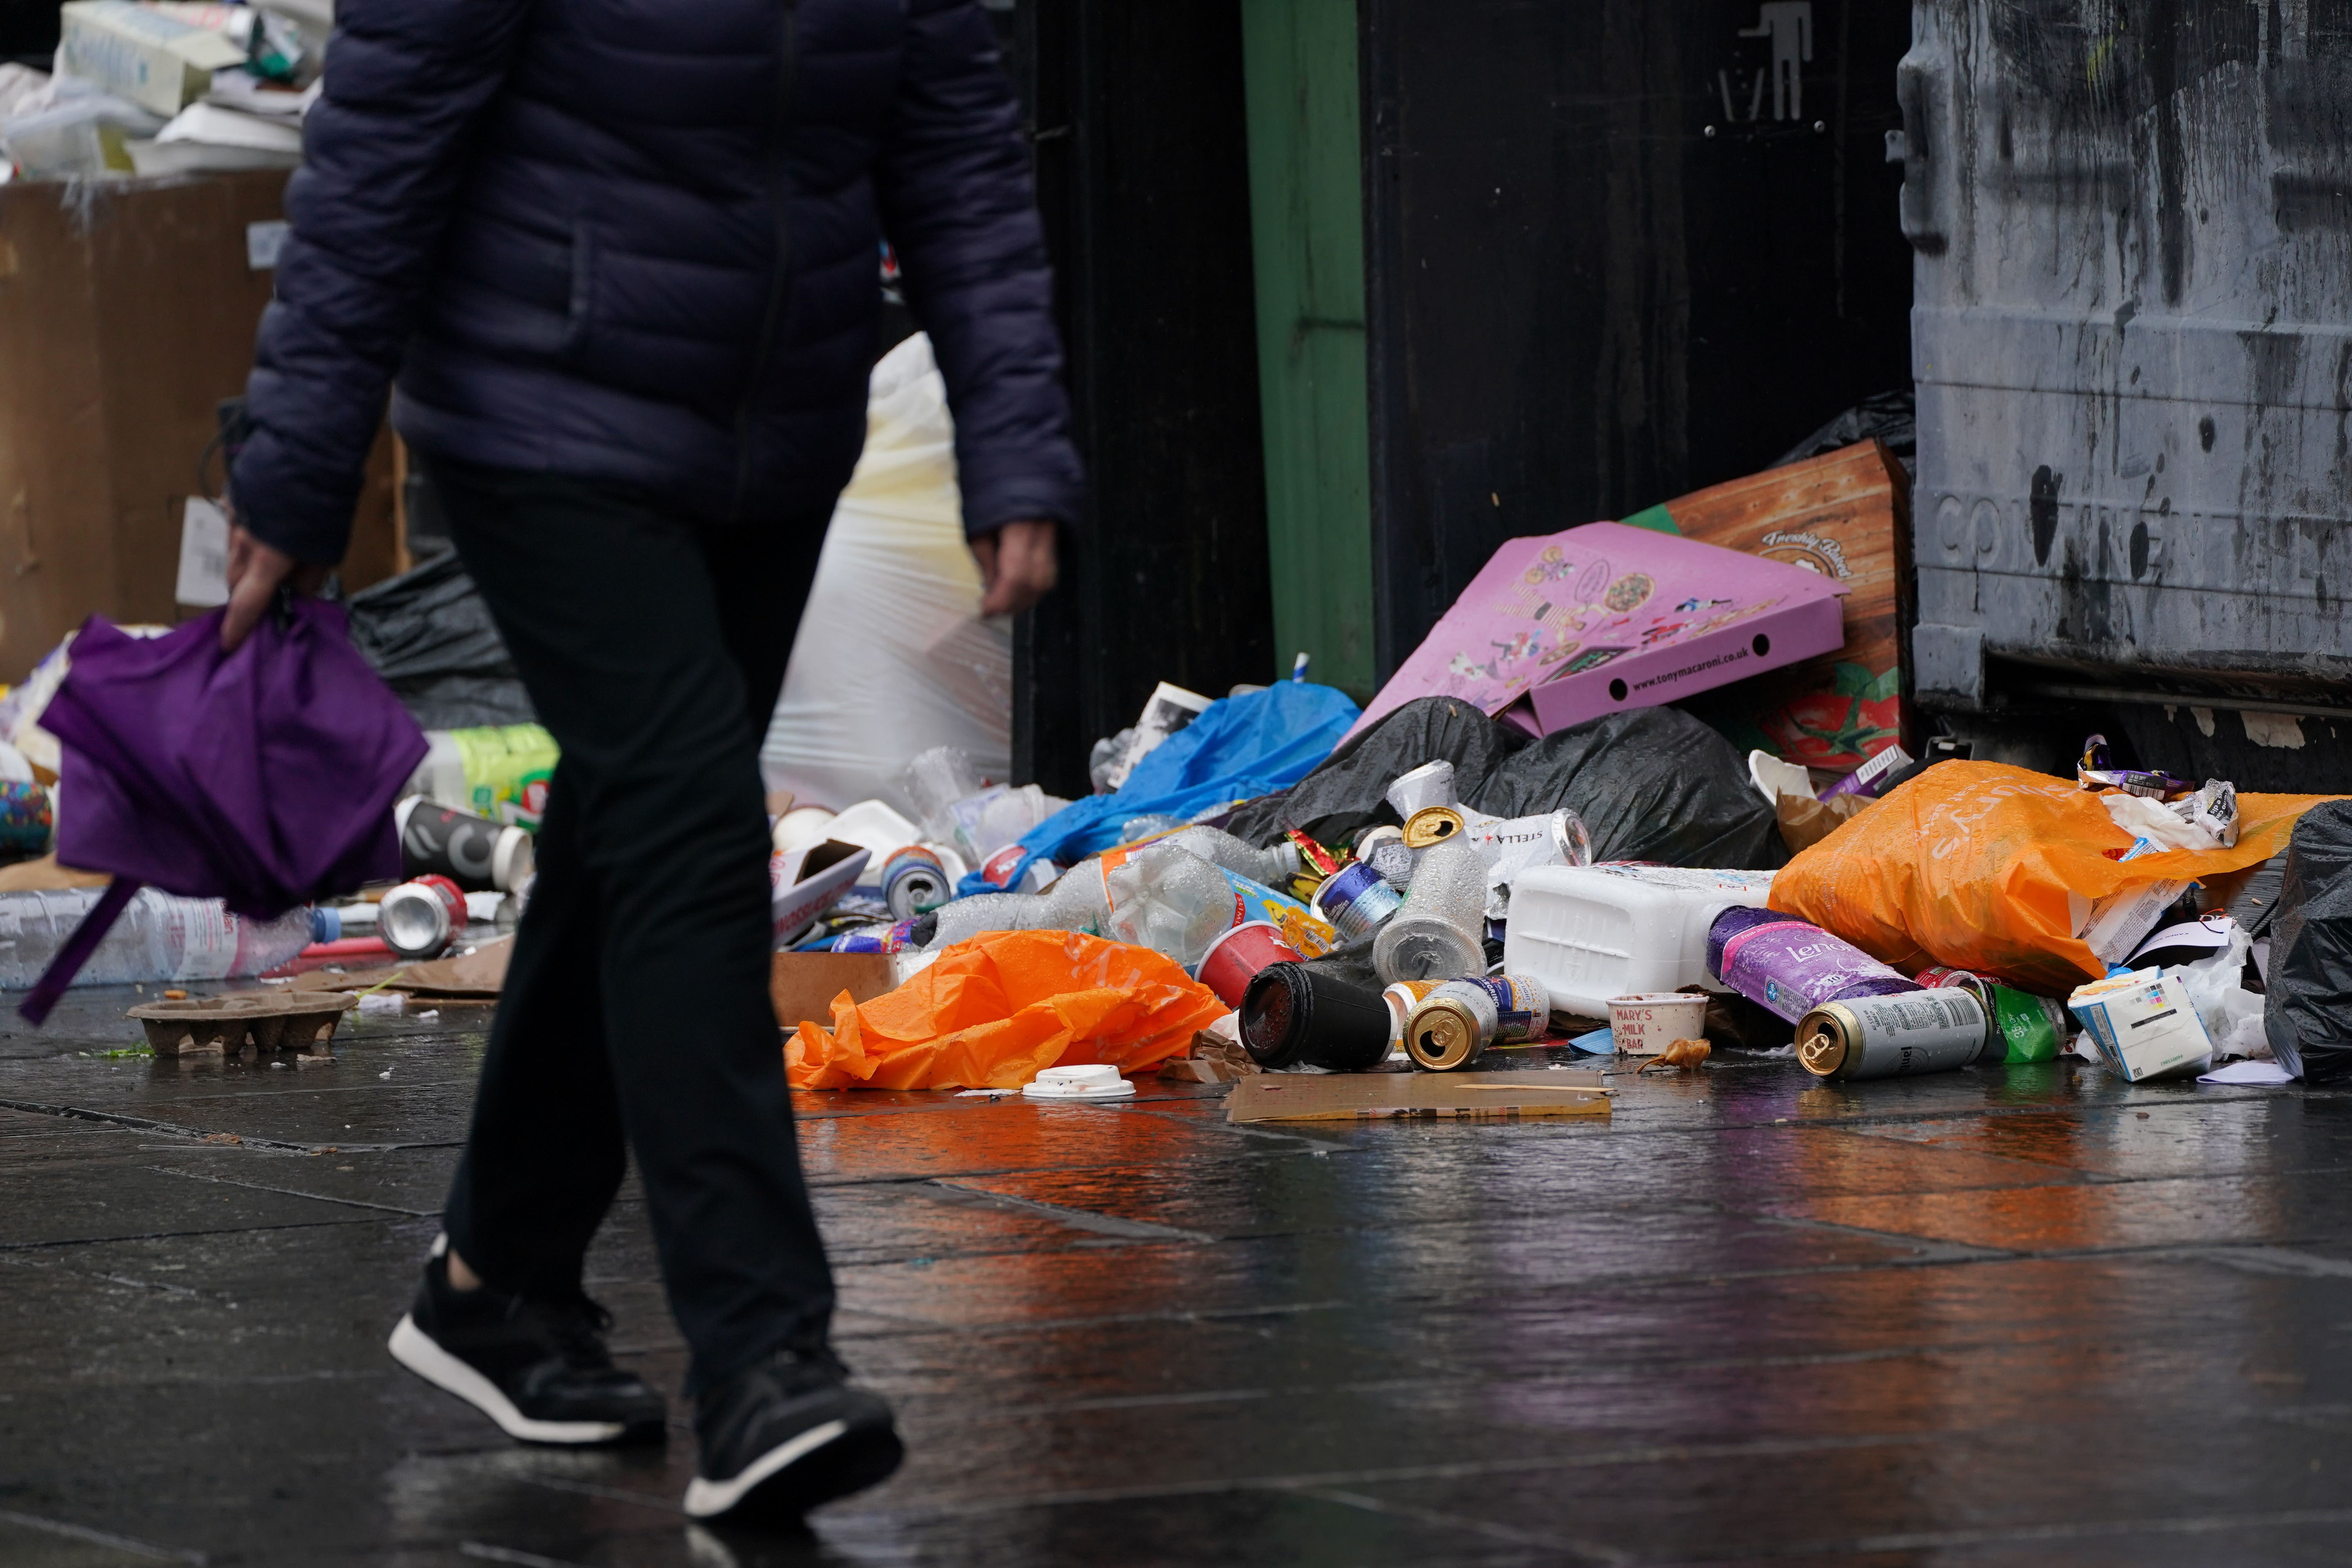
x: 1308, y: 231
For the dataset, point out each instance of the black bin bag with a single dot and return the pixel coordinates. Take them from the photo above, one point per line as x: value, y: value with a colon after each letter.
x: 2307, y: 1009
x: 429, y: 636
x: 1651, y: 784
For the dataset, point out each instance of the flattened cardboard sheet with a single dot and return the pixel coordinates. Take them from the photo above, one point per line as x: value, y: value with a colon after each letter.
x: 1428, y: 1096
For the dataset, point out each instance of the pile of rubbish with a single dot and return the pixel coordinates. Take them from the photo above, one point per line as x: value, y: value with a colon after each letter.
x: 165, y: 87
x: 1539, y: 844
x: 1643, y: 792
x: 1373, y: 916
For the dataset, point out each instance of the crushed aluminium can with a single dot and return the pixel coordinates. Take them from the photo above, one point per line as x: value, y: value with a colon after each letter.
x: 914, y: 879
x: 1355, y: 901
x: 419, y: 919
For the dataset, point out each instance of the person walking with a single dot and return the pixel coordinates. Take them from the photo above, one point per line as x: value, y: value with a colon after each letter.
x: 617, y: 261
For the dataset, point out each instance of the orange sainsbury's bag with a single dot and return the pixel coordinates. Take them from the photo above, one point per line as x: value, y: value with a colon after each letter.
x: 1994, y: 869
x: 993, y: 1011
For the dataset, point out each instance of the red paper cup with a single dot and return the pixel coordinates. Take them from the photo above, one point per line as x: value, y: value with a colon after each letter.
x: 1233, y: 960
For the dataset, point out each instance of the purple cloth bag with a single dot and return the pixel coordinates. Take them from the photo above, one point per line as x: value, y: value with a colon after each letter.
x: 264, y: 777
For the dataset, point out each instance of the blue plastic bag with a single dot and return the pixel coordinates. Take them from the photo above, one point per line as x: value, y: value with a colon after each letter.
x: 1238, y: 748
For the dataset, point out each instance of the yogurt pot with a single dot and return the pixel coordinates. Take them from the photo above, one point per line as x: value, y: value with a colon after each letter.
x: 1646, y: 1024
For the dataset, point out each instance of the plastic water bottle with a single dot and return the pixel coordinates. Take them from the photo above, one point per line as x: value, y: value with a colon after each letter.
x: 1170, y: 900
x: 1075, y: 902
x: 964, y: 919
x: 1438, y: 933
x: 1273, y: 866
x: 157, y: 937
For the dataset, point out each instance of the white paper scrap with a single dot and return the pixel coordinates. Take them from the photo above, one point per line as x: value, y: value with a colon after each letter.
x: 2255, y: 1072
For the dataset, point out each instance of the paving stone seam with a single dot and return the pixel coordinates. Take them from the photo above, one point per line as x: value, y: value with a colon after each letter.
x: 175, y: 1234
x: 1461, y: 1469
x: 1586, y: 1550
x: 1078, y: 1218
x: 2069, y: 1530
x: 98, y: 1537
x: 288, y: 1192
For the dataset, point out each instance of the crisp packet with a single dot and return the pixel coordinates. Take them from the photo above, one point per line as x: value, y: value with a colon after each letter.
x: 2097, y: 771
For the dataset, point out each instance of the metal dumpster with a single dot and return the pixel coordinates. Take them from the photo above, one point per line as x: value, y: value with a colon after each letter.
x: 2131, y: 239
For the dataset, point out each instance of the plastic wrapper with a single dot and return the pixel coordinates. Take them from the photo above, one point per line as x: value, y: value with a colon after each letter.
x: 893, y: 657
x: 2308, y: 1011
x: 1651, y: 784
x: 2097, y: 770
x: 993, y: 1012
x: 1998, y: 870
x: 1242, y: 747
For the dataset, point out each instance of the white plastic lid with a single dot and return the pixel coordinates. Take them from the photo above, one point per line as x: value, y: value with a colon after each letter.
x: 1096, y: 1080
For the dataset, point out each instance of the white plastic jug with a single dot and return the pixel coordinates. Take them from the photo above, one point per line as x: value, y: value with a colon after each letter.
x: 1591, y: 933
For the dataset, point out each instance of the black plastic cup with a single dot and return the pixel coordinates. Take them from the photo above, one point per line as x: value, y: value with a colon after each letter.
x: 1290, y: 1016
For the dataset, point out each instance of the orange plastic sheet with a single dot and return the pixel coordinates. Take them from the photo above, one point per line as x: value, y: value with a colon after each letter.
x: 993, y: 1011
x: 1972, y: 865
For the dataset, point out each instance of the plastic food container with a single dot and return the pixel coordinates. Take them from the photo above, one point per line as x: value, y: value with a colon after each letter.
x: 1645, y: 1026
x: 1591, y: 933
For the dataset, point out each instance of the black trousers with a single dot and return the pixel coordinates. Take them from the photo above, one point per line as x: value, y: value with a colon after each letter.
x: 635, y: 1016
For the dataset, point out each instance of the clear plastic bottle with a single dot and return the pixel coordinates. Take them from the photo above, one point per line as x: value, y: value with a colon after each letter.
x: 1273, y: 865
x: 157, y: 937
x: 1066, y: 906
x: 1438, y: 934
x: 935, y: 781
x: 1077, y: 901
x: 967, y: 918
x: 1170, y: 900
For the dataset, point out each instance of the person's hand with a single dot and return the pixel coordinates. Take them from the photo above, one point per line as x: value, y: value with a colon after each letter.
x: 254, y: 572
x: 1017, y: 567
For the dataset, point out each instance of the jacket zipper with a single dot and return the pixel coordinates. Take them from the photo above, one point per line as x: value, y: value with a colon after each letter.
x: 786, y: 58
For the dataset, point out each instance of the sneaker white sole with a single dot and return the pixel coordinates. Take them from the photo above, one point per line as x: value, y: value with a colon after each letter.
x: 414, y: 1349
x: 708, y: 1499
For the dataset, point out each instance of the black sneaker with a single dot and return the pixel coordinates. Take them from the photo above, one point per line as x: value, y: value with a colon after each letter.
x: 539, y: 1369
x: 784, y: 1436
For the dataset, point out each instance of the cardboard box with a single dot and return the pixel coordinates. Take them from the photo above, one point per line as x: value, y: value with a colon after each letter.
x: 1595, y: 620
x: 156, y: 61
x: 1846, y: 515
x: 2144, y: 1025
x: 126, y: 316
x: 805, y: 882
x: 1430, y: 1096
x: 803, y: 985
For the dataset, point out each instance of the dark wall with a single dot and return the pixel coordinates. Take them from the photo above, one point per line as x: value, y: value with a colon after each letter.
x: 1591, y: 288
x: 1144, y: 181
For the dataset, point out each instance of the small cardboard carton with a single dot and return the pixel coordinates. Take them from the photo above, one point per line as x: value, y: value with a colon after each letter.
x: 805, y: 882
x: 157, y: 61
x: 1595, y: 620
x: 1846, y: 515
x: 2144, y: 1023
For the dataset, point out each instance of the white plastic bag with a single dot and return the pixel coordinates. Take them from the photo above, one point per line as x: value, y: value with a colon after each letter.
x: 2233, y: 1016
x: 893, y: 657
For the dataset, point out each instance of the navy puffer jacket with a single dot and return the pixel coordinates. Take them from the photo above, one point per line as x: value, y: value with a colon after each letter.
x: 637, y: 240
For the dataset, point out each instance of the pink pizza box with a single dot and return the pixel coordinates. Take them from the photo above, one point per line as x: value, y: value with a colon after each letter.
x: 1594, y: 620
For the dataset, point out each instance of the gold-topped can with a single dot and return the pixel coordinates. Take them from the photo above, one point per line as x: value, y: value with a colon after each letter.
x: 1893, y: 1037
x: 1451, y: 1029
x: 1431, y: 825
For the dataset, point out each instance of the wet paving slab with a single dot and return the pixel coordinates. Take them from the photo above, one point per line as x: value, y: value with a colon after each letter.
x: 2014, y: 1316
